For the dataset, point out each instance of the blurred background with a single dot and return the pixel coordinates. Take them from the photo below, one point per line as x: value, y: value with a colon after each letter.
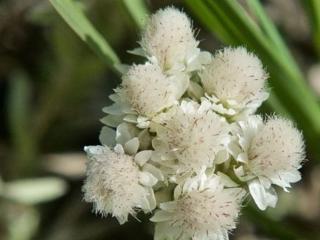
x: 53, y: 86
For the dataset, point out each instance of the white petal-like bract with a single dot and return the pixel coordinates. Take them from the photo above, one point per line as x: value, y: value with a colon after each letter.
x: 262, y: 196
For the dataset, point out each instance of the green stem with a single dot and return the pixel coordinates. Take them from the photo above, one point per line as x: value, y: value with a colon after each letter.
x: 137, y: 10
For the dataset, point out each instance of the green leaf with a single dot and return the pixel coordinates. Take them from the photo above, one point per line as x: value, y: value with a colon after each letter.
x: 313, y: 8
x: 270, y: 30
x: 72, y: 13
x: 137, y: 10
x: 215, y: 26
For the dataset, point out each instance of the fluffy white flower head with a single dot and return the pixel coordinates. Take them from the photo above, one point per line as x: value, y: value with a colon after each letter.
x: 271, y: 153
x: 169, y: 38
x: 276, y: 152
x: 114, y: 183
x: 194, y: 134
x: 235, y: 78
x: 148, y: 90
x: 202, y: 209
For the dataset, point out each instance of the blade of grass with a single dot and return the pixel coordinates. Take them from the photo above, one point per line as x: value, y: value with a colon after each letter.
x: 71, y: 12
x: 214, y: 26
x: 137, y: 10
x: 270, y: 30
x: 313, y: 9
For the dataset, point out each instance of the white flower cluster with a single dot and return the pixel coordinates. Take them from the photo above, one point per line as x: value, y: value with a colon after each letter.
x: 182, y: 139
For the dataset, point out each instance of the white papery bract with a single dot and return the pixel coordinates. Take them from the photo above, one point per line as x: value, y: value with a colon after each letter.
x: 193, y: 135
x: 271, y: 153
x: 169, y: 40
x: 235, y: 81
x: 115, y: 183
x: 202, y: 209
x: 149, y: 91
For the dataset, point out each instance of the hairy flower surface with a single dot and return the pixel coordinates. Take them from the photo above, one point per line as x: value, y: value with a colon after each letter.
x: 235, y: 78
x: 277, y: 152
x: 149, y: 91
x: 115, y: 184
x: 273, y: 152
x: 202, y: 209
x: 194, y: 134
x: 169, y: 38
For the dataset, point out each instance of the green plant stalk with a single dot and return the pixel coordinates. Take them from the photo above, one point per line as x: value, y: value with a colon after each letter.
x: 137, y: 10
x: 270, y: 30
x: 71, y: 12
x: 313, y: 9
x: 214, y: 26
